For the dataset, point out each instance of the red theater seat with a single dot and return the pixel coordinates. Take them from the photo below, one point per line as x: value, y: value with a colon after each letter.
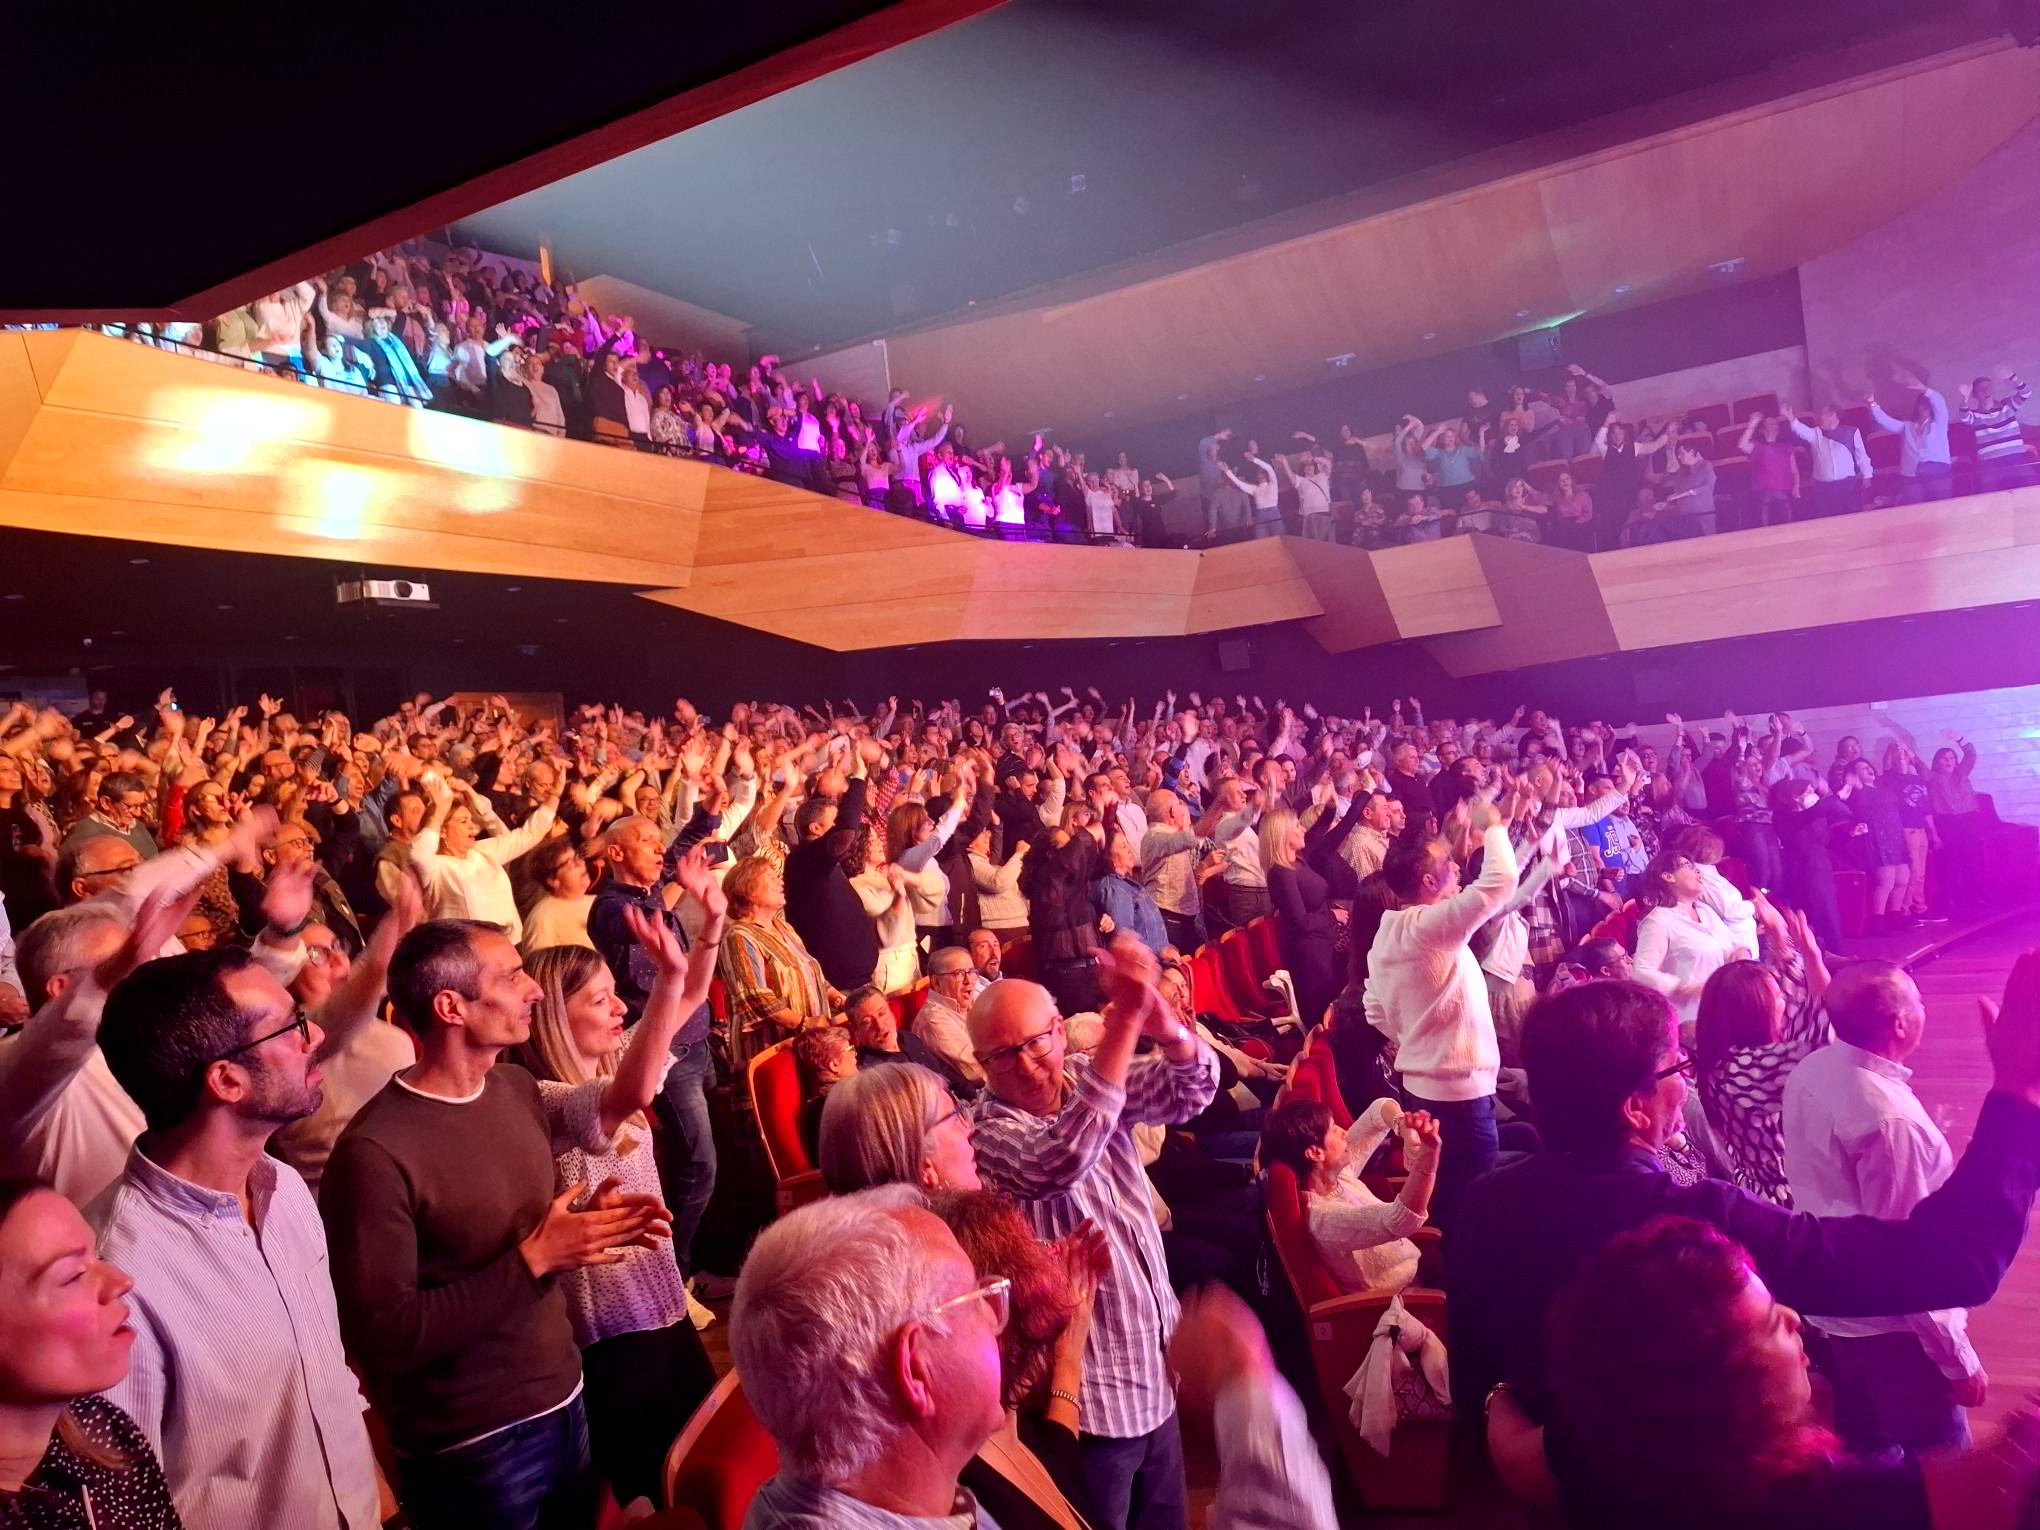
x: 775, y: 1101
x: 720, y: 1459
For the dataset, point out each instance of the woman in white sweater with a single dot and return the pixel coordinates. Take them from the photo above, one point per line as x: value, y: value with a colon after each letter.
x: 1682, y: 942
x: 1001, y: 904
x: 1365, y: 1240
x: 463, y: 874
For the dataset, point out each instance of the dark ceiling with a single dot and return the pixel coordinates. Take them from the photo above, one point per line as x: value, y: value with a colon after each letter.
x: 155, y: 152
x: 1050, y: 137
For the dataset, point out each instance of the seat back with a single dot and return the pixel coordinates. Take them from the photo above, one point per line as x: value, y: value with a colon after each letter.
x: 1289, y: 1225
x: 1208, y: 988
x: 1016, y: 957
x: 1755, y: 403
x: 721, y: 1458
x: 775, y: 1100
x: 1266, y: 942
x: 1242, y: 971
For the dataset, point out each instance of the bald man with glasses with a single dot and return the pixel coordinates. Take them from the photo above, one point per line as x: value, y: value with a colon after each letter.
x: 1056, y: 1134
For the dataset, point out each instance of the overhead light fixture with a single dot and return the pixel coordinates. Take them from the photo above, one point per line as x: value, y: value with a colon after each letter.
x: 1343, y: 360
x: 1522, y: 313
x: 1623, y: 290
x: 1729, y: 267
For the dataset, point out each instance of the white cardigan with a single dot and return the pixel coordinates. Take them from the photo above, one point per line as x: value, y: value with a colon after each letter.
x: 1677, y: 952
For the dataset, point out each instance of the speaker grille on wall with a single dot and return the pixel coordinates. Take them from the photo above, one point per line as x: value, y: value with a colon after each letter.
x: 1235, y: 655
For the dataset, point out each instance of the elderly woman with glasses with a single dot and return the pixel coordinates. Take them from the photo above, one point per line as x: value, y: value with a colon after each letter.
x: 1681, y: 942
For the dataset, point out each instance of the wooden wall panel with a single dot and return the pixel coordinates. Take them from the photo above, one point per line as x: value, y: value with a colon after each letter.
x: 311, y: 474
x: 1434, y: 587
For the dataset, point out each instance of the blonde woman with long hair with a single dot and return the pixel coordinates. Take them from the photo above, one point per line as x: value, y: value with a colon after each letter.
x: 644, y: 1365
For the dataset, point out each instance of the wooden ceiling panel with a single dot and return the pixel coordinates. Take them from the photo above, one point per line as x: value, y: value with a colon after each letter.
x: 1773, y: 185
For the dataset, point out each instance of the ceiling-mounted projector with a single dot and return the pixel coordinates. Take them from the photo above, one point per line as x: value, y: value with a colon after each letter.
x: 414, y: 594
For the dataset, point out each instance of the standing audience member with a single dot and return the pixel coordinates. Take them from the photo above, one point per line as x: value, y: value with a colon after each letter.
x: 1059, y: 1140
x: 633, y: 1319
x: 236, y: 1374
x: 448, y: 1228
x: 1425, y: 993
x: 1859, y: 1143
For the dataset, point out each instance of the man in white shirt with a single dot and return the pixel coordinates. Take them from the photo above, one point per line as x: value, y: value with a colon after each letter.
x: 1425, y: 993
x: 1841, y: 462
x: 237, y: 1375
x: 1858, y: 1142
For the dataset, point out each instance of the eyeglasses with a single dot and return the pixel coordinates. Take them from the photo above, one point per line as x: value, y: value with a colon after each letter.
x: 1686, y: 1065
x: 300, y: 1021
x: 996, y: 1294
x: 1005, y: 1059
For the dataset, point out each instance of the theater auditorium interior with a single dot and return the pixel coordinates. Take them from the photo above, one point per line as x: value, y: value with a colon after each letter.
x: 1050, y: 765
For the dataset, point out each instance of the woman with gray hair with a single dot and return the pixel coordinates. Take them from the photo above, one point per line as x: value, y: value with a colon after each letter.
x: 897, y: 1124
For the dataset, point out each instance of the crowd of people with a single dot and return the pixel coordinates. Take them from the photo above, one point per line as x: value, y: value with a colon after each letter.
x: 492, y: 338
x: 391, y: 1063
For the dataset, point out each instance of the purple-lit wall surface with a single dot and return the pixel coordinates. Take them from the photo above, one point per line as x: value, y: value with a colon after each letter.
x: 1947, y: 287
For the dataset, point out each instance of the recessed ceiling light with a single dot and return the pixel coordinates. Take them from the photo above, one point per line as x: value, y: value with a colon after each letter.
x: 1181, y: 396
x: 138, y: 562
x: 1522, y: 313
x: 1260, y: 377
x: 512, y: 589
x: 1621, y: 290
x: 13, y: 597
x: 561, y: 620
x: 117, y: 632
x: 1431, y: 335
x: 223, y: 606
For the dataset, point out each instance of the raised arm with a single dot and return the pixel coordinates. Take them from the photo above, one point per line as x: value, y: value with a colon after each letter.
x: 679, y: 990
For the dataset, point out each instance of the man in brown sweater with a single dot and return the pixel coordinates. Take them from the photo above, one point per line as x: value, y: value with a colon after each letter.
x: 445, y: 1231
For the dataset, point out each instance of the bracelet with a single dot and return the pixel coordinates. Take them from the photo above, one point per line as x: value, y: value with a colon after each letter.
x: 1068, y: 1397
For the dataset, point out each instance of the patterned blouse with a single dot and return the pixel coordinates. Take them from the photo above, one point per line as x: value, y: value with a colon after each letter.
x: 766, y: 968
x: 68, y: 1491
x: 642, y: 1292
x: 1743, y: 1097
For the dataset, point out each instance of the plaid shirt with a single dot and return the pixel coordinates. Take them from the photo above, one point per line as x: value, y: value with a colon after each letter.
x: 1081, y: 1162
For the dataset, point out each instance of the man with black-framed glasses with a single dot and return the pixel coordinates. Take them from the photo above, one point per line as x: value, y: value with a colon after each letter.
x: 237, y: 1375
x: 1057, y: 1136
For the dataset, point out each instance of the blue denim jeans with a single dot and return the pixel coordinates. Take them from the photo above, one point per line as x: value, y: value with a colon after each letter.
x: 689, y: 1169
x: 1137, y: 1484
x: 536, y: 1475
x: 1469, y: 1143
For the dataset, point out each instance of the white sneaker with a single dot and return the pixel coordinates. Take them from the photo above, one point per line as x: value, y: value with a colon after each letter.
x: 697, y: 1314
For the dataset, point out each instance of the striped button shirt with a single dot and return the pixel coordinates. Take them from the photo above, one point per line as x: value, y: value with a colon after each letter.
x: 237, y: 1376
x: 1082, y: 1162
x: 789, y: 1503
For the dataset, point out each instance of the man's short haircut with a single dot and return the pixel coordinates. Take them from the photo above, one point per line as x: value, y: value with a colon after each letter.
x: 165, y: 1023
x: 859, y: 994
x: 1587, y: 1049
x: 810, y: 813
x: 1792, y: 744
x: 74, y: 850
x: 822, y: 1292
x: 614, y: 834
x: 1405, y: 865
x: 1292, y: 1129
x: 56, y: 943
x: 436, y: 957
x: 119, y: 783
x: 953, y: 959
x: 1865, y: 999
